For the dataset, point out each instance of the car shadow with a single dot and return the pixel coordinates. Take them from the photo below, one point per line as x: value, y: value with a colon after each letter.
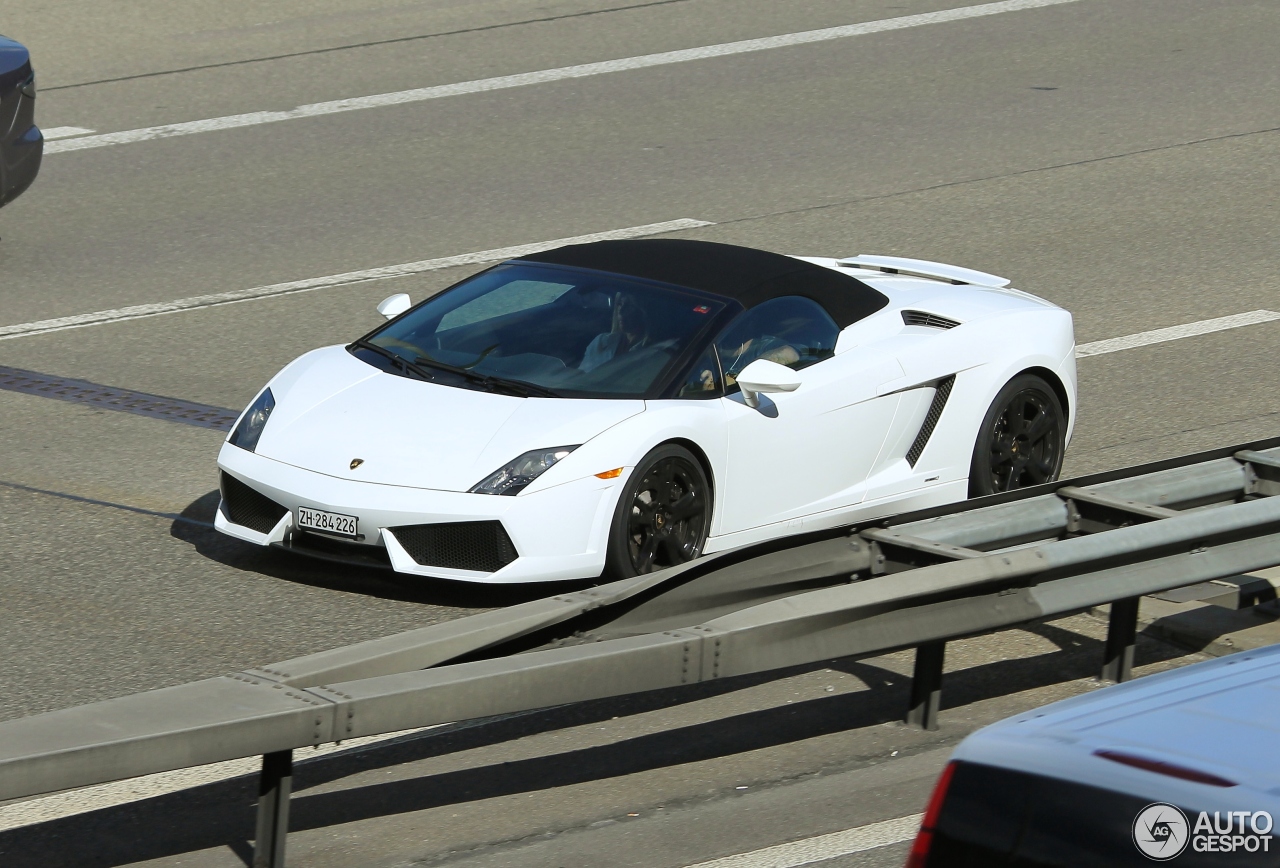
x: 223, y: 814
x: 194, y: 526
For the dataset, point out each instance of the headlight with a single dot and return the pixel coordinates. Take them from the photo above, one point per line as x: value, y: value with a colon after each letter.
x: 513, y: 478
x: 254, y: 420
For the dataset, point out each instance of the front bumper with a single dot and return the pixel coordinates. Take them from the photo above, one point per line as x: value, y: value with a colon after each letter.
x: 21, y: 143
x: 557, y: 533
x: 22, y: 163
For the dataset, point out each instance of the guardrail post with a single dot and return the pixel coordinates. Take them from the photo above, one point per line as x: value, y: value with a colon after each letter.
x: 926, y: 685
x: 1121, y: 634
x: 273, y: 809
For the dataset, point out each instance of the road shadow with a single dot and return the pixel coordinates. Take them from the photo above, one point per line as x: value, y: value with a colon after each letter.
x: 1199, y: 628
x: 222, y: 814
x: 194, y: 526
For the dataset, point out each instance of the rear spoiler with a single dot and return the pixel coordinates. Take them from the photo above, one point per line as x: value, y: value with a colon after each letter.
x: 924, y: 268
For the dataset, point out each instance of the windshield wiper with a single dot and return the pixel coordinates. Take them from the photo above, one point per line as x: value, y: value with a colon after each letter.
x: 396, y: 359
x: 521, y: 388
x: 517, y: 387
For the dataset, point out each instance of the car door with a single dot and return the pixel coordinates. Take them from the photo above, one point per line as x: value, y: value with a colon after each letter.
x: 811, y: 450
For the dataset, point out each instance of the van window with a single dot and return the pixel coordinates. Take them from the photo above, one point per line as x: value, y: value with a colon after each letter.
x: 994, y: 816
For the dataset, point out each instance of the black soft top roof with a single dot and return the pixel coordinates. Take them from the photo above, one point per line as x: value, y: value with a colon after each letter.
x: 745, y: 274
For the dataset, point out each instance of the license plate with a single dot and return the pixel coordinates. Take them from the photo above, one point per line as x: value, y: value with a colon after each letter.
x: 327, y: 522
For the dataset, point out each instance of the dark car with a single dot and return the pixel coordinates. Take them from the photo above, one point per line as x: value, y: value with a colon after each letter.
x: 21, y: 145
x: 1180, y: 765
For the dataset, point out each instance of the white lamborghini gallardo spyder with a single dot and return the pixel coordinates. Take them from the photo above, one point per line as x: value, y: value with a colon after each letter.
x: 623, y: 406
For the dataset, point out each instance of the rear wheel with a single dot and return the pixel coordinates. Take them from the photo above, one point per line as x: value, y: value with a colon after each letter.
x: 1022, y: 438
x: 663, y: 516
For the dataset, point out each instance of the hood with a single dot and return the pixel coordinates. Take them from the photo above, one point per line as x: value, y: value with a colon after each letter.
x: 332, y: 408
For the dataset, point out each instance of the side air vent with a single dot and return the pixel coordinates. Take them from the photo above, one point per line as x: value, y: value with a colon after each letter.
x: 930, y: 320
x: 482, y: 546
x: 247, y: 507
x: 931, y: 419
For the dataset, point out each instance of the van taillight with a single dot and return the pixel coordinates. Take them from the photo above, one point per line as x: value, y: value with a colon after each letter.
x: 919, y: 855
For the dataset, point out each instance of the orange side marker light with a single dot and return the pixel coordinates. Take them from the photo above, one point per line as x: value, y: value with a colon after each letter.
x: 610, y: 474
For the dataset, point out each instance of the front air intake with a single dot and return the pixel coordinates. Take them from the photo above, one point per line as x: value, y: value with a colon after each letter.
x: 479, y: 546
x: 247, y: 507
x: 928, y: 320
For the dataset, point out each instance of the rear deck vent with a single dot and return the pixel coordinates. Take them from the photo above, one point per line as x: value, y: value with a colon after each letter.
x: 929, y: 320
x: 931, y: 419
x: 481, y: 546
x: 247, y: 507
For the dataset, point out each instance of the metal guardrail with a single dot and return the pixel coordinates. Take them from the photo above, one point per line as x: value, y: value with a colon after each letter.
x: 909, y: 581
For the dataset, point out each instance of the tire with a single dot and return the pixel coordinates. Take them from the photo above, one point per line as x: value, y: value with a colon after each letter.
x: 1022, y: 438
x: 663, y: 516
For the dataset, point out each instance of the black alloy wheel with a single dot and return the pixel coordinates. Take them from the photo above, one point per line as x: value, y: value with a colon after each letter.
x: 1021, y: 440
x: 663, y: 516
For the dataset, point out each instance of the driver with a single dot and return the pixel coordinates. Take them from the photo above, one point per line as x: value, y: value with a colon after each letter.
x: 628, y: 330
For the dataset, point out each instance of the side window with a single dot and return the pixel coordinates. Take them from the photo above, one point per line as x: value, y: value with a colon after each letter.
x: 703, y: 380
x: 792, y: 331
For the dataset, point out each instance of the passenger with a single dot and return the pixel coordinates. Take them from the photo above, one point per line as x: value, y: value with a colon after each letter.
x: 768, y: 347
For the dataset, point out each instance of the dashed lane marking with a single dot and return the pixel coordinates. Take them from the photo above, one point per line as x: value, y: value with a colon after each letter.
x: 64, y: 132
x: 823, y: 847
x: 1174, y: 333
x: 544, y: 76
x: 221, y: 419
x: 141, y: 311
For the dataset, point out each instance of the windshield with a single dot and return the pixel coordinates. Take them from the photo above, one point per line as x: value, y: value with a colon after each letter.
x: 565, y: 331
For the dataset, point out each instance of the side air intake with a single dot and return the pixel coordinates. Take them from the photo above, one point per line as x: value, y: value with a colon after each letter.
x: 930, y: 320
x: 931, y: 419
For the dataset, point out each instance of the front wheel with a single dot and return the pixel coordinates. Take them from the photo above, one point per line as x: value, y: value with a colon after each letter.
x: 663, y: 516
x: 1022, y: 438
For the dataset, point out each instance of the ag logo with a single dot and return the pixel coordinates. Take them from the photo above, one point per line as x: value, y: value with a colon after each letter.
x: 1161, y: 832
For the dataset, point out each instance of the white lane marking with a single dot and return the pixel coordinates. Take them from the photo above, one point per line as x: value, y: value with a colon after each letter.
x: 64, y: 132
x: 823, y: 847
x: 141, y: 311
x: 67, y: 804
x: 1173, y: 333
x: 524, y: 79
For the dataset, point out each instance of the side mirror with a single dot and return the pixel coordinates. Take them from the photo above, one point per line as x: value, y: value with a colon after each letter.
x: 763, y: 375
x: 392, y: 306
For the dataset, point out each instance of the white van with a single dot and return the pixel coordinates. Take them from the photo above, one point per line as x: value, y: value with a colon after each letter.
x: 1180, y: 767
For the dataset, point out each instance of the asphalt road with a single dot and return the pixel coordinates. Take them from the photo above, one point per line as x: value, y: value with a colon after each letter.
x: 1118, y: 157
